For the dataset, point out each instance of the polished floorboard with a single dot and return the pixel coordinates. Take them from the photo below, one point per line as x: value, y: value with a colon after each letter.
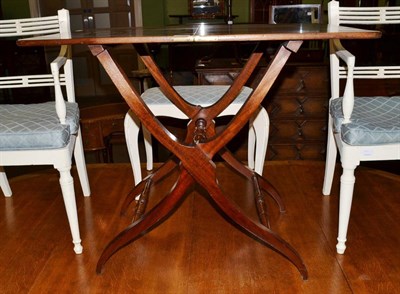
x: 196, y: 250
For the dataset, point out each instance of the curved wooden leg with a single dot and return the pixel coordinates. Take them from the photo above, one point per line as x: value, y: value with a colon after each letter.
x: 261, y: 233
x: 270, y: 189
x: 160, y: 173
x: 149, y: 221
x: 143, y: 200
x: 235, y: 163
x: 262, y: 208
x: 196, y: 159
x: 249, y: 174
x: 206, y: 177
x: 133, y: 195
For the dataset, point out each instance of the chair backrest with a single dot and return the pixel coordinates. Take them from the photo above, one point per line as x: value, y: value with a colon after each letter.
x: 359, y: 16
x: 58, y: 24
x: 385, y: 15
x: 362, y: 15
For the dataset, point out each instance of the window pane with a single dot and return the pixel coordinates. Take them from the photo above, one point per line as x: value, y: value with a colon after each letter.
x: 73, y: 4
x: 102, y: 20
x: 100, y: 3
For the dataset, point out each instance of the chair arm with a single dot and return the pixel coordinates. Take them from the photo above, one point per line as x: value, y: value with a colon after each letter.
x: 348, y: 95
x: 55, y: 66
x: 60, y: 60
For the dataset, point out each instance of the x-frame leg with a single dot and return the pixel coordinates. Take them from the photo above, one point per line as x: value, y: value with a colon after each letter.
x: 196, y: 152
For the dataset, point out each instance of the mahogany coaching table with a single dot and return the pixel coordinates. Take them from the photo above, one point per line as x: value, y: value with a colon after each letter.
x: 193, y: 156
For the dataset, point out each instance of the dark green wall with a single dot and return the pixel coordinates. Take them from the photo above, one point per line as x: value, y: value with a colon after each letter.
x: 155, y: 12
x: 239, y: 7
x: 15, y: 9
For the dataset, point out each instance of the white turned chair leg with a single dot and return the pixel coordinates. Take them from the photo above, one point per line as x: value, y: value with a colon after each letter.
x: 67, y: 188
x: 81, y: 164
x: 331, y: 153
x: 131, y: 128
x: 347, y: 181
x: 148, y: 146
x: 261, y: 129
x: 5, y: 186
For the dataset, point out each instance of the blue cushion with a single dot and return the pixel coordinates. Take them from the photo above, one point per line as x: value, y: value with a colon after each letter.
x: 374, y: 121
x: 203, y: 95
x: 36, y: 126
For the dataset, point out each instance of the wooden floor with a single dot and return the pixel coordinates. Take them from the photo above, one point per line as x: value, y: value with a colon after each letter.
x: 196, y: 250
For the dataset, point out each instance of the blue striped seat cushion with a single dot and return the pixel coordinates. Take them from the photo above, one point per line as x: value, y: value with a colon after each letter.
x: 374, y: 121
x: 36, y: 126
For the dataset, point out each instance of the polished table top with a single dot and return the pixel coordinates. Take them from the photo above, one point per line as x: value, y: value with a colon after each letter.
x: 205, y: 33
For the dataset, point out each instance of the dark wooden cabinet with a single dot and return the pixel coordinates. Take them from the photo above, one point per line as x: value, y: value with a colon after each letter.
x: 297, y: 107
x: 297, y: 103
x: 102, y: 126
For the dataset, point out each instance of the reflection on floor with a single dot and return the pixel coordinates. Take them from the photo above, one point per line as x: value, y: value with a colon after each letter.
x: 196, y: 250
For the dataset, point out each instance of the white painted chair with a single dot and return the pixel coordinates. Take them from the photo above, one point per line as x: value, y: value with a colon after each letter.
x: 44, y: 133
x: 362, y: 128
x: 203, y: 95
